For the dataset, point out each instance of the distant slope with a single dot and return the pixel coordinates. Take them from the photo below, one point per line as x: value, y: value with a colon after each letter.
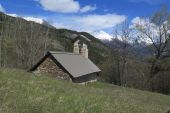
x: 22, y: 92
x: 138, y: 50
x: 17, y: 33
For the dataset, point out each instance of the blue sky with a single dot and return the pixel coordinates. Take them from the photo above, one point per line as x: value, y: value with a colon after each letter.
x: 83, y: 15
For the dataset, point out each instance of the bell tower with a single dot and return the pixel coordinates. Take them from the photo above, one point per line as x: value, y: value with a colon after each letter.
x: 84, y: 51
x: 76, y: 48
x: 80, y: 45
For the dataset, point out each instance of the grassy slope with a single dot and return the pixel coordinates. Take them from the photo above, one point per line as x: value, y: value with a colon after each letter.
x: 21, y: 92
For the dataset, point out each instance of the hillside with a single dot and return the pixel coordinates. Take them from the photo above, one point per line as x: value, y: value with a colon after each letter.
x: 24, y: 42
x: 22, y: 92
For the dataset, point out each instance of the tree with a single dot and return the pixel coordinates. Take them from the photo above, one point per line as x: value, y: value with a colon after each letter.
x: 122, y: 33
x: 155, y: 29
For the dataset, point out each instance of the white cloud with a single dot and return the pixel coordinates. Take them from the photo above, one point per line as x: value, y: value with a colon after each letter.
x: 98, y: 22
x: 1, y: 8
x: 140, y: 21
x: 94, y: 24
x: 64, y: 6
x: 147, y: 1
x: 102, y: 35
x: 88, y: 23
x: 87, y: 8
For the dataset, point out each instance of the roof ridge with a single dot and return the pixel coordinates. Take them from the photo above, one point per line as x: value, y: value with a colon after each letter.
x: 69, y: 53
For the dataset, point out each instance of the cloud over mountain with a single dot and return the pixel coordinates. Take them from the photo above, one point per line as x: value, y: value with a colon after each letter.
x: 88, y: 23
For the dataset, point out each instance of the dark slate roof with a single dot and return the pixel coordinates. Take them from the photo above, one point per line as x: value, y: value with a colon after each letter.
x: 75, y: 64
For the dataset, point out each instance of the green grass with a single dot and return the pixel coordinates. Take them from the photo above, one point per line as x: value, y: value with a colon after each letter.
x: 22, y: 92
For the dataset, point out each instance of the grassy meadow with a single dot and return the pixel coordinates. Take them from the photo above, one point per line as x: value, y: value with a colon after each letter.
x: 22, y: 92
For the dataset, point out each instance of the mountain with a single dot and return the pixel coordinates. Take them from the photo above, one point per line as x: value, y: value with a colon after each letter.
x: 28, y: 18
x: 47, y: 24
x: 137, y: 50
x: 33, y: 19
x: 102, y: 35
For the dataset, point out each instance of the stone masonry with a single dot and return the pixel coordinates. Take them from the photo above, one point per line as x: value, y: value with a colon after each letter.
x: 50, y: 68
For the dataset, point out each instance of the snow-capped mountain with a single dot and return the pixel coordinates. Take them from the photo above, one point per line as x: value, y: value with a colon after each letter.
x: 29, y: 18
x: 33, y: 19
x: 13, y: 15
x: 102, y: 35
